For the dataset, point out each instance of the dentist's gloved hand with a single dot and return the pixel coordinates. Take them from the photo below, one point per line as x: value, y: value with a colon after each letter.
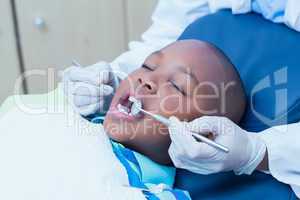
x: 246, y: 150
x: 89, y: 89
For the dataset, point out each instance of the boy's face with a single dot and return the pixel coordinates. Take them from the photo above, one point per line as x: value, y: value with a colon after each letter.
x: 167, y: 84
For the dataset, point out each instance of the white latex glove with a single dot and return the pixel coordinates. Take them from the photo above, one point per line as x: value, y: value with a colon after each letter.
x: 89, y: 89
x: 246, y: 150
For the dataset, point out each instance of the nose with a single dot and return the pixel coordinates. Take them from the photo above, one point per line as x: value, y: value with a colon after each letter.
x: 148, y: 85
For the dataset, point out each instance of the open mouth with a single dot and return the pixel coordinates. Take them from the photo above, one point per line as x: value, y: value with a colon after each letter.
x: 126, y: 108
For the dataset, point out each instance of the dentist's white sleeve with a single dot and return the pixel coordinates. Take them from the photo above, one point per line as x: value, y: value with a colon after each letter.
x: 279, y: 11
x: 171, y: 17
x: 283, y: 146
x: 169, y: 20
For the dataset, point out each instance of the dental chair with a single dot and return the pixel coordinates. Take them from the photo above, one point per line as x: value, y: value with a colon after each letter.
x: 266, y: 56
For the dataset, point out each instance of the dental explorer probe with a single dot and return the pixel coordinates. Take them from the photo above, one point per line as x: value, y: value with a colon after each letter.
x: 137, y: 107
x: 75, y: 63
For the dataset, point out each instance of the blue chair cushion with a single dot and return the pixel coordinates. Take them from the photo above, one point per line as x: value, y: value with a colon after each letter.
x: 266, y: 55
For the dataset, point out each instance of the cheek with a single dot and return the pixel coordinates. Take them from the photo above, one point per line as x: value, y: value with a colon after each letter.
x: 170, y: 102
x: 193, y: 109
x: 114, y: 130
x: 183, y: 107
x: 123, y: 131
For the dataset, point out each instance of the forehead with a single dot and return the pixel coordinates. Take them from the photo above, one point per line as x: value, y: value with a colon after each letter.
x: 194, y: 57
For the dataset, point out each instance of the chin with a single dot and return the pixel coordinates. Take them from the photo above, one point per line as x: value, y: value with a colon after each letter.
x: 155, y: 147
x: 113, y: 132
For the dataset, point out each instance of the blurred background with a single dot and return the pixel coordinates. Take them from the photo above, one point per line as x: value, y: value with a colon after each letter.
x: 41, y: 37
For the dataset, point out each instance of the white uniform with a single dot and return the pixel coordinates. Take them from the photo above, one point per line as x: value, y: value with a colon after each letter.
x: 171, y: 17
x: 283, y: 144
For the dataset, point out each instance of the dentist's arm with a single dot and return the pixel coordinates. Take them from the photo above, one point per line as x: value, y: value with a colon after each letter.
x: 171, y: 17
x: 275, y: 150
x: 283, y: 147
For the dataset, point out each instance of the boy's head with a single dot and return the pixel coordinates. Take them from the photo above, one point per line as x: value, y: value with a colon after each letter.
x: 187, y: 79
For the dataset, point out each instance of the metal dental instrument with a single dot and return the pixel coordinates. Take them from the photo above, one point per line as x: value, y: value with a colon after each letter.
x: 137, y: 107
x: 75, y: 63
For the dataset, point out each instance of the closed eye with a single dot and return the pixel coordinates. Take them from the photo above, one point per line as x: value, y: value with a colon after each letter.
x: 177, y: 87
x: 147, y: 67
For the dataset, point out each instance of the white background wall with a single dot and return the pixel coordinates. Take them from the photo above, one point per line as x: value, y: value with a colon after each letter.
x: 9, y: 66
x: 87, y: 31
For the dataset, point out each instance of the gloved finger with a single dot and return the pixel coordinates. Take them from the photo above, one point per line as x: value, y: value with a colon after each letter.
x: 174, y: 120
x: 103, y: 73
x: 176, y: 131
x: 75, y: 73
x: 96, y: 74
x: 176, y: 154
x: 179, y: 128
x: 66, y: 73
x: 176, y: 147
x: 192, y: 148
x: 83, y: 75
x: 80, y: 101
x: 67, y: 85
x: 203, y: 151
x: 196, y: 150
x: 175, y: 125
x: 100, y: 66
x: 184, y: 141
x: 90, y: 109
x: 202, y: 125
x: 209, y: 124
x: 85, y: 89
x: 181, y: 161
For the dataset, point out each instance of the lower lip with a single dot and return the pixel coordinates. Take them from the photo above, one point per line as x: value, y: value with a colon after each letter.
x: 116, y: 113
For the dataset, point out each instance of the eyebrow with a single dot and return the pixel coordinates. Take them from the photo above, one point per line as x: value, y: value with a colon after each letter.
x: 181, y: 67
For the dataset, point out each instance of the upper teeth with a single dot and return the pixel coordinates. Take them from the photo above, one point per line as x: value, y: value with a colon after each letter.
x: 133, y: 109
x: 136, y: 106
